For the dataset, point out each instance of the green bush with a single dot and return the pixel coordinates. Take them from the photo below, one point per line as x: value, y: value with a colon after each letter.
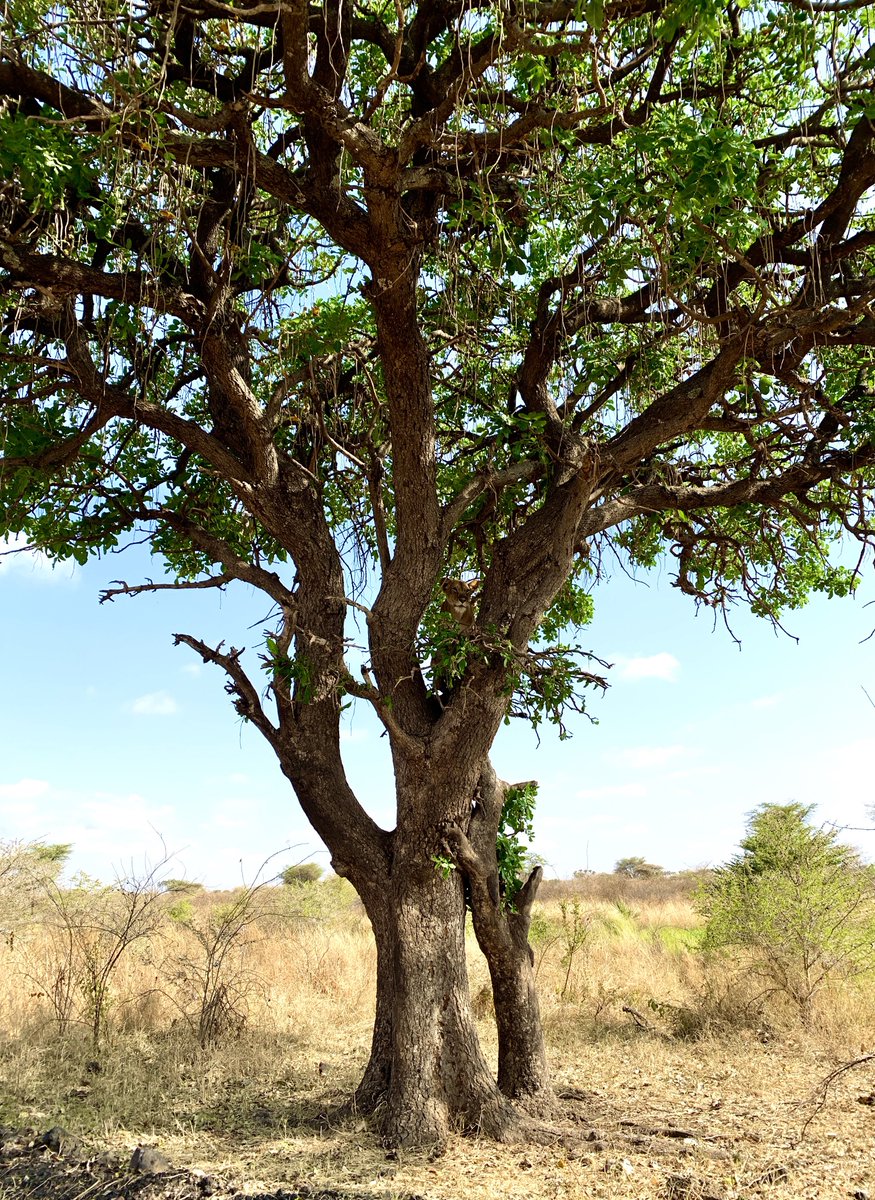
x: 301, y: 873
x: 26, y: 868
x: 322, y: 901
x: 799, y: 903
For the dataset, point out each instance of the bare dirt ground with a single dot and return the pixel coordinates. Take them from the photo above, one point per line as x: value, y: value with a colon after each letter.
x: 642, y: 1120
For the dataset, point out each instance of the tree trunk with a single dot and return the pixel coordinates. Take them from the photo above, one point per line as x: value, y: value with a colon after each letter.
x: 523, y: 1071
x: 502, y: 931
x: 426, y: 1073
x: 439, y: 1076
x: 373, y: 1089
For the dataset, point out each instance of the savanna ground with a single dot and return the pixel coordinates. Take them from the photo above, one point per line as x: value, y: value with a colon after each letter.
x: 678, y: 1077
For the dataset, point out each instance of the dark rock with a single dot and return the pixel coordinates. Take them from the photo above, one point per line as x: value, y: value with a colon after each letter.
x: 58, y: 1140
x: 146, y: 1160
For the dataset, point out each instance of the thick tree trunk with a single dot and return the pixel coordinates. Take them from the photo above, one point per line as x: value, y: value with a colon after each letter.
x: 502, y: 932
x: 426, y: 1073
x: 439, y: 1076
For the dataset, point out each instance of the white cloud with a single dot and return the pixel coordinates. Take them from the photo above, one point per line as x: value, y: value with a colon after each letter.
x: 128, y: 813
x: 192, y: 668
x: 654, y: 666
x: 106, y: 829
x: 614, y: 791
x: 154, y: 704
x: 767, y: 701
x: 25, y: 789
x: 17, y: 560
x: 642, y: 757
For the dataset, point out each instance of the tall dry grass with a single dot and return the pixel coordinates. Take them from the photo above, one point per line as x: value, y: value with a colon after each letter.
x: 293, y: 1003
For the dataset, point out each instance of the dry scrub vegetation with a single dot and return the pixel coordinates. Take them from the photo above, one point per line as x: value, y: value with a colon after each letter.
x: 235, y: 1024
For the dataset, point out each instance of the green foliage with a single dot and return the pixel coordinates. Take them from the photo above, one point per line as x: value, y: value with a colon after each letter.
x: 52, y: 855
x: 517, y: 823
x: 48, y: 163
x: 636, y: 867
x: 515, y: 830
x: 182, y: 912
x: 26, y: 870
x: 450, y: 653
x: 300, y: 874
x: 678, y: 938
x: 574, y: 934
x: 326, y: 900
x: 796, y: 901
x: 180, y: 886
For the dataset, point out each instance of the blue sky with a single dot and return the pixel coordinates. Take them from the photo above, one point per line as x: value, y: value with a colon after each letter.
x: 113, y: 739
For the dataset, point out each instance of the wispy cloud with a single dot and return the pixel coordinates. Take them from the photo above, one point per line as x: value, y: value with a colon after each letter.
x: 111, y: 812
x: 767, y: 701
x: 154, y: 704
x: 18, y: 561
x: 105, y: 828
x: 617, y: 791
x: 24, y: 789
x: 653, y: 666
x: 644, y: 757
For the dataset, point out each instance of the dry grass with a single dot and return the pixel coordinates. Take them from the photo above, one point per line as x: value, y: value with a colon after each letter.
x: 702, y: 1051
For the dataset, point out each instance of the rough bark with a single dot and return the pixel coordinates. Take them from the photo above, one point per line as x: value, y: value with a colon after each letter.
x: 373, y: 1089
x: 501, y: 927
x: 439, y: 1077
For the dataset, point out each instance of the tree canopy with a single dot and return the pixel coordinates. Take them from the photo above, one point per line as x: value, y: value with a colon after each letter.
x: 355, y: 302
x: 637, y: 867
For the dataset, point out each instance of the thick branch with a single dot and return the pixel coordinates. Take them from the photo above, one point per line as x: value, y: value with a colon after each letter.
x: 220, y: 551
x: 64, y: 277
x: 247, y: 703
x: 653, y: 498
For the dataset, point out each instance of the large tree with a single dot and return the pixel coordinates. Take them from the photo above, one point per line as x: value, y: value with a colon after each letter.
x: 346, y: 299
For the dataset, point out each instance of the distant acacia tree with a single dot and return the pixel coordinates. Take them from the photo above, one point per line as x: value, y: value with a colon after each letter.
x: 637, y: 867
x: 180, y: 886
x: 347, y: 301
x: 26, y: 870
x: 301, y: 873
x: 796, y: 901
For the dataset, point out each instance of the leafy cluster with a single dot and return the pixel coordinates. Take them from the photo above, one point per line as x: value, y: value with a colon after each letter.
x: 515, y: 833
x: 797, y: 902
